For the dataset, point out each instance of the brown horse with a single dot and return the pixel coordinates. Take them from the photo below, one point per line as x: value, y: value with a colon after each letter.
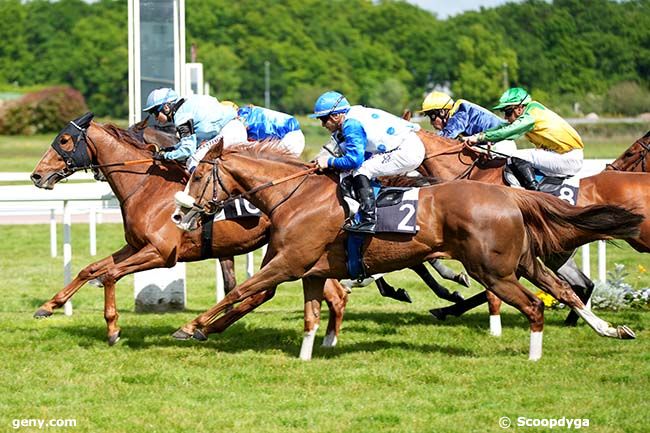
x: 635, y: 158
x: 449, y: 159
x: 145, y: 191
x: 496, y: 232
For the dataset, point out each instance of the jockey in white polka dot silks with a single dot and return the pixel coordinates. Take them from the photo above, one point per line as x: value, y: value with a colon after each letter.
x: 198, y: 119
x: 373, y: 142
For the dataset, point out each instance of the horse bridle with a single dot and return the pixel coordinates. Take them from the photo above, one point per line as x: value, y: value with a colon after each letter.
x: 213, y: 206
x: 641, y: 160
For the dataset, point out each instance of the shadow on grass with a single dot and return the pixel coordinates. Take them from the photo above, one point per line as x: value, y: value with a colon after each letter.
x: 241, y: 337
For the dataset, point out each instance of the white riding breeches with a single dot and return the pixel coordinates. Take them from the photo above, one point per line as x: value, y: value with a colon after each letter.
x: 553, y: 163
x: 507, y: 147
x: 233, y: 132
x: 404, y: 158
x: 294, y: 142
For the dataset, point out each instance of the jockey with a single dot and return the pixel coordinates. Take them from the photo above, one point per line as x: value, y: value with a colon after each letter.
x: 374, y: 143
x: 558, y: 147
x: 462, y: 118
x: 263, y: 124
x: 198, y: 119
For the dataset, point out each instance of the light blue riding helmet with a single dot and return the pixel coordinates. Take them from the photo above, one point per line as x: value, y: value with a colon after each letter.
x: 330, y: 103
x: 160, y: 96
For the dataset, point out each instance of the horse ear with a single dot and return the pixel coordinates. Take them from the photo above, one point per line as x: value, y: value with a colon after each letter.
x: 406, y: 115
x: 216, y: 150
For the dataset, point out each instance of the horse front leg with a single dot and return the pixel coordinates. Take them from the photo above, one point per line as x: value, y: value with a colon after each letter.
x: 445, y: 272
x: 313, y: 292
x: 337, y: 298
x: 440, y: 291
x: 228, y: 271
x: 494, y: 307
x: 90, y: 272
x: 147, y: 258
x: 276, y: 271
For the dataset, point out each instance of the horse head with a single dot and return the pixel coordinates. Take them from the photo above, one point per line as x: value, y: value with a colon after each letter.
x: 68, y: 153
x: 197, y: 199
x: 635, y: 158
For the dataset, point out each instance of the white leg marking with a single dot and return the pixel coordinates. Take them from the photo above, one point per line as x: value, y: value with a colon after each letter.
x: 308, y: 344
x: 535, y: 346
x: 495, y: 325
x: 330, y: 340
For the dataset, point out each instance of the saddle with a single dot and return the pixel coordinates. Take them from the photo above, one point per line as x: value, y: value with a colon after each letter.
x: 396, y: 213
x: 563, y: 187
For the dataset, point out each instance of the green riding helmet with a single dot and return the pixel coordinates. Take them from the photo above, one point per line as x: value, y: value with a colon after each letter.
x: 513, y: 96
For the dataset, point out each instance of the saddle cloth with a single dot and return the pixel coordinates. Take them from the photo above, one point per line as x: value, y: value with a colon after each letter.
x: 240, y: 208
x: 564, y: 188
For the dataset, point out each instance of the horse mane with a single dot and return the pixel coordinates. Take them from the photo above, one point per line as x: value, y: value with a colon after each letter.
x: 267, y: 149
x: 129, y: 136
x: 409, y: 181
x: 647, y: 134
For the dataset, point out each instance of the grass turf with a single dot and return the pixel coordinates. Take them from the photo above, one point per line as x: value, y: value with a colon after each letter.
x: 395, y: 369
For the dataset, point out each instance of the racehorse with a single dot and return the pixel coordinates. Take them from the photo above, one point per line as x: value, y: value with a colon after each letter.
x: 449, y: 159
x: 635, y: 158
x: 145, y: 191
x: 496, y: 232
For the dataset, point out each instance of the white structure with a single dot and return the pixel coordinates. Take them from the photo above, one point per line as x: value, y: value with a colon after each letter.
x: 194, y: 79
x: 156, y: 50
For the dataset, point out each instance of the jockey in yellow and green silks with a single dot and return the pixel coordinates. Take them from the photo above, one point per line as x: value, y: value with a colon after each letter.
x: 558, y: 147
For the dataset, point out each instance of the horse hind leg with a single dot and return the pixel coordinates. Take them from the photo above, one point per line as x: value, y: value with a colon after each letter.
x: 336, y: 298
x: 494, y: 307
x: 228, y: 271
x: 560, y: 290
x: 579, y: 282
x: 440, y: 291
x: 445, y: 272
x: 510, y: 290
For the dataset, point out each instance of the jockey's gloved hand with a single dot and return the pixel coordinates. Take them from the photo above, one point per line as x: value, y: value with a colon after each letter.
x: 159, y: 156
x: 472, y: 139
x: 322, y: 160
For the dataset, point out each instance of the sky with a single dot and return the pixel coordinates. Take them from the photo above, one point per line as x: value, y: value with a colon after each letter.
x: 446, y: 8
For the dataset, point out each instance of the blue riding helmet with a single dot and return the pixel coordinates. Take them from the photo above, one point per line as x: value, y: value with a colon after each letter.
x: 159, y: 97
x: 330, y: 103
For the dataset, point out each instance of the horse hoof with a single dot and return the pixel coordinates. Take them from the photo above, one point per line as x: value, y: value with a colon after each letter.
x: 42, y: 313
x: 114, y: 338
x: 199, y: 335
x: 625, y: 333
x: 463, y: 279
x: 438, y: 313
x: 402, y: 296
x: 181, y: 335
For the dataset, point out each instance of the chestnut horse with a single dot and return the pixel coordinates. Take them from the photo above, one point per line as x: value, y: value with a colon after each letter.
x: 449, y: 159
x: 635, y: 158
x: 145, y: 191
x: 496, y: 232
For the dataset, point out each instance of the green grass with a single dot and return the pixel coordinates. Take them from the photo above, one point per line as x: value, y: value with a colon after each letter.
x: 395, y: 368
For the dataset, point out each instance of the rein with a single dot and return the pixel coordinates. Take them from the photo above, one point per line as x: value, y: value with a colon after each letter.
x: 458, y: 149
x: 247, y: 194
x: 641, y: 160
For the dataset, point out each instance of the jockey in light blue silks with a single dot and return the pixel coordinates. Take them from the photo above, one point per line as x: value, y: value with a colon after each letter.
x: 374, y: 143
x: 263, y: 124
x: 198, y: 119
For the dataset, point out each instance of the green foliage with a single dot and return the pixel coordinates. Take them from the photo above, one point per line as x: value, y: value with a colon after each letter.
x: 385, y: 53
x: 45, y: 111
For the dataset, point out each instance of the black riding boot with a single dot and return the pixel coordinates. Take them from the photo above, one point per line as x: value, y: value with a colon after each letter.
x: 524, y: 172
x: 367, y: 212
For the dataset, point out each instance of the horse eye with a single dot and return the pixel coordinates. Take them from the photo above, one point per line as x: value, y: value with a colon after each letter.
x: 63, y: 140
x: 629, y: 154
x: 197, y: 177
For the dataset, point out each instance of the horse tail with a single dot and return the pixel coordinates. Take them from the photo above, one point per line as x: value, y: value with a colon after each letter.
x: 555, y: 226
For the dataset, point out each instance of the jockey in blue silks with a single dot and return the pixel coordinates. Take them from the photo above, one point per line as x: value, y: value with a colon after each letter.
x: 462, y: 119
x: 373, y: 142
x: 262, y: 124
x: 198, y: 119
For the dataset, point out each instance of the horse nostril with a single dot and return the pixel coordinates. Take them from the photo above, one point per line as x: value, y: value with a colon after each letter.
x: 177, y: 218
x: 35, y: 177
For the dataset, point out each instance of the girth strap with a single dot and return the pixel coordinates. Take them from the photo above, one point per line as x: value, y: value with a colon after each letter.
x: 206, y: 236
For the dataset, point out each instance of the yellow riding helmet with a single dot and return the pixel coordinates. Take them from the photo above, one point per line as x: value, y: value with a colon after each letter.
x: 437, y: 101
x: 230, y: 104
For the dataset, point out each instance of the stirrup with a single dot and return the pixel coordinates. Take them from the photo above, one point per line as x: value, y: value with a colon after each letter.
x: 362, y: 227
